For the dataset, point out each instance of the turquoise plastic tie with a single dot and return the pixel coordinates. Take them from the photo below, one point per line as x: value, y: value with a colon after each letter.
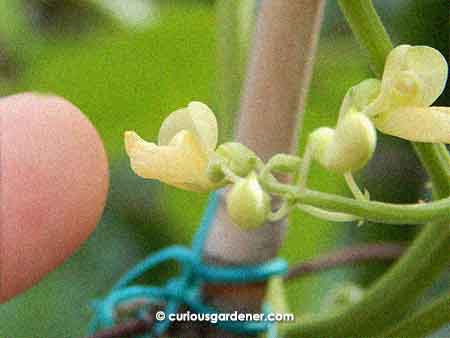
x: 185, y: 289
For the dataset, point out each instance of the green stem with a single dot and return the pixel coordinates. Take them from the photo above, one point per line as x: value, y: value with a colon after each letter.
x: 276, y: 296
x: 390, y: 298
x: 378, y: 211
x: 368, y: 30
x: 387, y: 301
x: 444, y: 156
x: 424, y: 322
x: 374, y: 211
x: 233, y: 39
x: 437, y: 166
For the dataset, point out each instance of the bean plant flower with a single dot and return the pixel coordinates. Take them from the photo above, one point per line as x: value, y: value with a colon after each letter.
x: 398, y: 104
x: 414, y: 77
x: 186, y: 142
x: 186, y: 157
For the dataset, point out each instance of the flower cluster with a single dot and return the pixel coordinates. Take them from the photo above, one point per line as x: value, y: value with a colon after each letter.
x: 413, y: 78
x: 187, y: 155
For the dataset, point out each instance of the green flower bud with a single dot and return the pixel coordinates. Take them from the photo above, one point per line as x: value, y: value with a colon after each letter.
x: 346, y: 148
x: 214, y: 170
x: 248, y: 204
x: 238, y: 158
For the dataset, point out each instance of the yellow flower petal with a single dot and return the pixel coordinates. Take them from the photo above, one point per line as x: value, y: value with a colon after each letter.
x: 348, y: 147
x: 418, y: 73
x: 417, y: 124
x: 182, y: 163
x: 196, y: 118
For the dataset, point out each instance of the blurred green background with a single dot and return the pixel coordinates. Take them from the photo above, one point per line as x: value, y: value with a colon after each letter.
x: 127, y: 64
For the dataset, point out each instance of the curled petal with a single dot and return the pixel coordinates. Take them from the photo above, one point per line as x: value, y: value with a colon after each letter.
x: 349, y: 147
x: 196, y: 118
x: 417, y: 124
x: 360, y: 96
x: 182, y: 163
x: 418, y: 73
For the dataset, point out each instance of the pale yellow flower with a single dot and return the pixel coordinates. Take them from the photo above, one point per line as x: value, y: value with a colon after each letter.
x: 187, y: 139
x: 413, y: 78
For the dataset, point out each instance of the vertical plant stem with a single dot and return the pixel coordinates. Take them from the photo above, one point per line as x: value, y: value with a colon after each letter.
x: 276, y: 296
x: 389, y: 299
x: 231, y: 58
x: 436, y: 166
x: 235, y: 25
x: 278, y: 77
x: 368, y: 30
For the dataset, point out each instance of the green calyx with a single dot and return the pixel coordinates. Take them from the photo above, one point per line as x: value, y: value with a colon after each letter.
x: 247, y: 202
x: 237, y: 157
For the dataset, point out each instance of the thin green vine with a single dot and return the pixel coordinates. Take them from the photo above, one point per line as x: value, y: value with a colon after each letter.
x: 378, y: 211
x: 361, y: 209
x: 368, y: 30
x: 423, y: 323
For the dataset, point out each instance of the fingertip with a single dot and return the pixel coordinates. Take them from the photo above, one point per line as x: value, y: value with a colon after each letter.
x: 54, y: 182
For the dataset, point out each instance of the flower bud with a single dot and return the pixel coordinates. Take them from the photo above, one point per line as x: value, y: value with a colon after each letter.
x: 248, y: 204
x: 346, y: 148
x: 214, y: 170
x: 237, y: 157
